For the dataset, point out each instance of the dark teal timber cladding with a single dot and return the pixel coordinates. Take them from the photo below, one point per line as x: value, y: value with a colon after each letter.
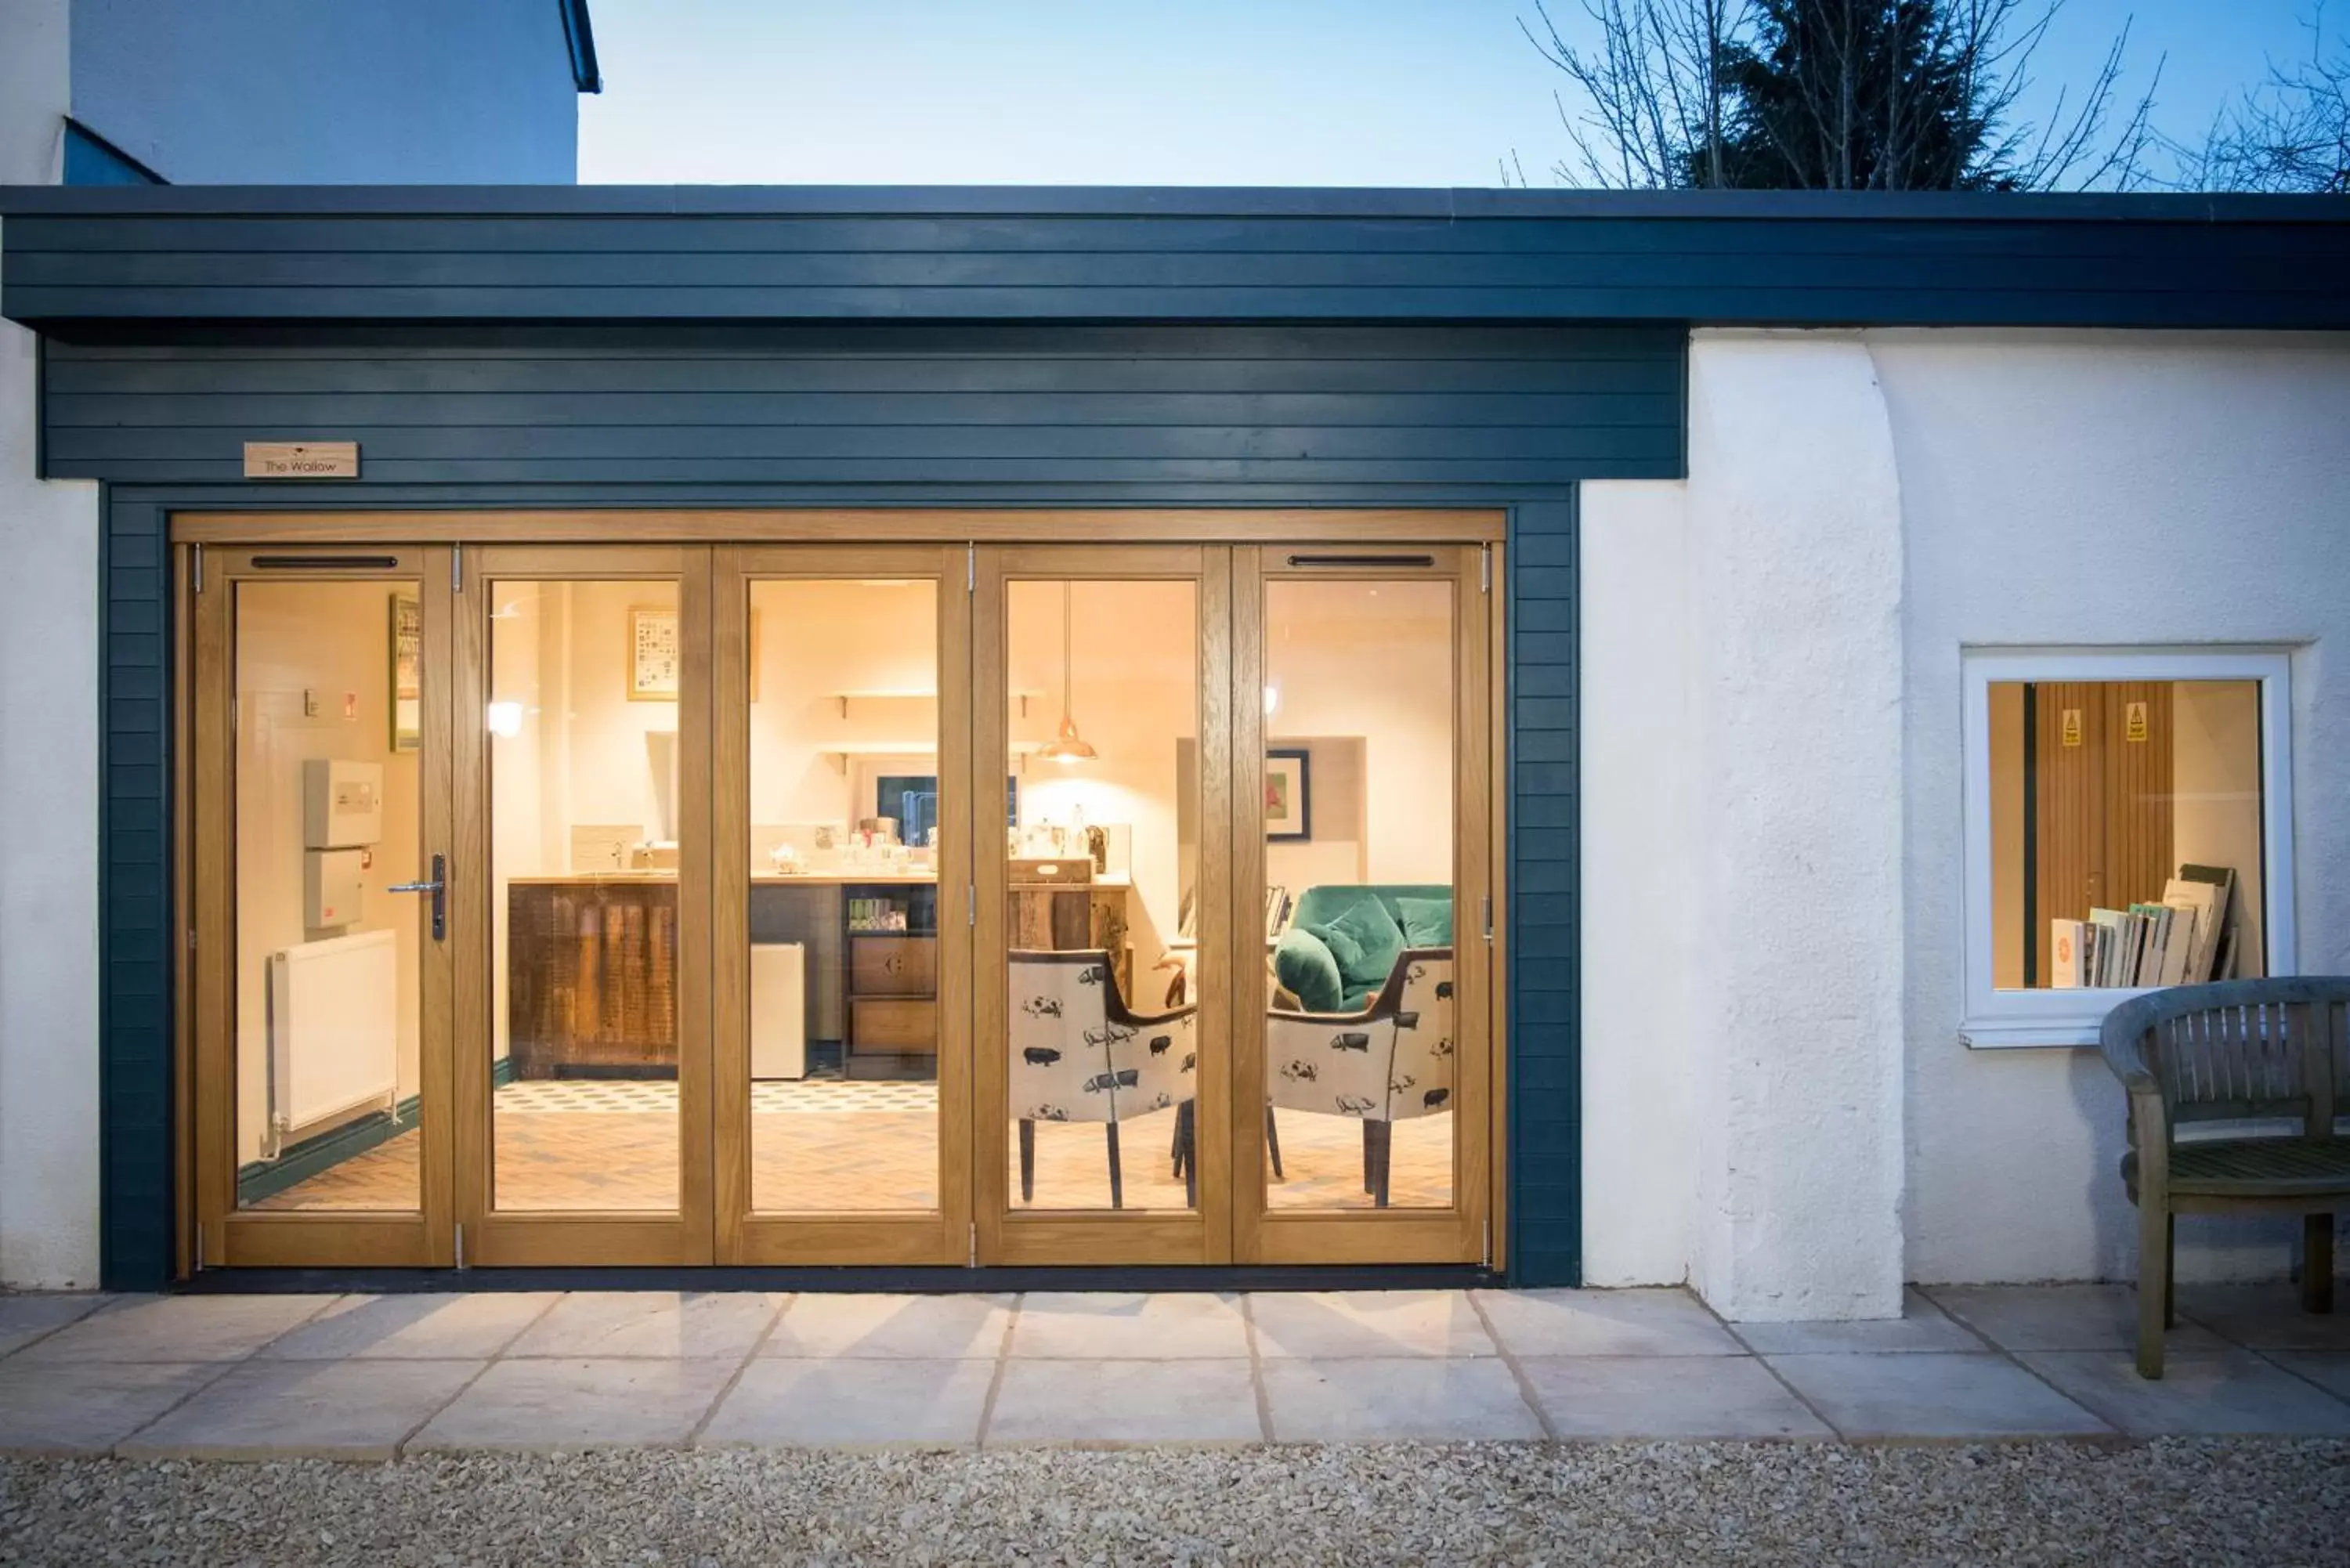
x: 1158, y: 413
x: 136, y: 946
x: 78, y: 258
x: 1546, y: 1145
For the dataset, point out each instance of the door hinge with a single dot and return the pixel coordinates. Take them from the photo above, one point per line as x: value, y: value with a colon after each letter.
x: 457, y: 569
x: 461, y: 1244
x: 971, y: 568
x: 1487, y: 1261
x: 971, y: 903
x: 1484, y: 569
x: 200, y: 1246
x: 192, y: 938
x: 197, y: 559
x: 1485, y: 910
x: 975, y: 1245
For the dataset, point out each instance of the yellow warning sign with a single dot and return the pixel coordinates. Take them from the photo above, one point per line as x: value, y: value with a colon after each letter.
x: 2072, y: 726
x: 2133, y: 726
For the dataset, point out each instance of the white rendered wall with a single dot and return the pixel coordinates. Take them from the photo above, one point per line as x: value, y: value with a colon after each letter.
x: 48, y: 760
x: 1777, y: 1104
x: 1640, y: 884
x: 294, y: 92
x: 1732, y: 986
x: 2119, y: 489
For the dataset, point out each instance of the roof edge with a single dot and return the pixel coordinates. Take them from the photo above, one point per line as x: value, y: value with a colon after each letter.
x: 579, y: 37
x: 1457, y: 205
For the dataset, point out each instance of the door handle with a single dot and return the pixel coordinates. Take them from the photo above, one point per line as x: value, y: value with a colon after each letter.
x: 438, y: 888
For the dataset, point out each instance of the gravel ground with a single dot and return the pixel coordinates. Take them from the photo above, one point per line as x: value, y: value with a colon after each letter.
x: 2204, y: 1503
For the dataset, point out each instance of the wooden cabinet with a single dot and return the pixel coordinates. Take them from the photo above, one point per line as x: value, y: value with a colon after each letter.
x: 894, y: 1025
x: 893, y: 965
x: 592, y: 967
x: 1057, y: 918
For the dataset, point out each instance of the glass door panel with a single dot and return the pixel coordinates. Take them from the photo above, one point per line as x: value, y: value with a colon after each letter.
x: 318, y: 747
x: 1102, y: 976
x: 1369, y: 859
x: 583, y: 766
x: 584, y: 827
x: 843, y: 992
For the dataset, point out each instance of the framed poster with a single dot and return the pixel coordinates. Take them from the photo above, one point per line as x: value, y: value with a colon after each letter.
x: 655, y: 655
x: 407, y: 674
x: 1289, y: 796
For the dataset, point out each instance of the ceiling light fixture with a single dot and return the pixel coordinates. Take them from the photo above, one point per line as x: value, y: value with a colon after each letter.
x: 1067, y: 746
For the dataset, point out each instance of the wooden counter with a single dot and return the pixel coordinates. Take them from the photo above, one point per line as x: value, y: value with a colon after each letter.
x: 592, y: 963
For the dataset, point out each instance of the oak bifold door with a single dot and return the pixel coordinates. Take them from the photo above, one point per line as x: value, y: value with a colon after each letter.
x: 906, y: 903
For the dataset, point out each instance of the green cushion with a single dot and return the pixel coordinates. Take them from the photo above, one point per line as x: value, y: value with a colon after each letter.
x: 1427, y: 922
x: 1365, y: 941
x: 1305, y: 967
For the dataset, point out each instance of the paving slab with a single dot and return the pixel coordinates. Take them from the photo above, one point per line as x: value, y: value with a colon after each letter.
x: 853, y: 1404
x: 1666, y: 1396
x: 1921, y: 1327
x: 1605, y: 1322
x: 2200, y: 1395
x: 1186, y: 1399
x: 596, y: 1323
x: 614, y: 1402
x: 1934, y: 1396
x: 2268, y: 1317
x: 2060, y: 1318
x: 359, y: 1410
x: 26, y: 1318
x: 426, y: 1326
x: 1396, y: 1399
x: 1137, y: 1327
x: 88, y: 1406
x: 921, y: 1328
x: 175, y: 1329
x: 2329, y: 1369
x: 1368, y: 1323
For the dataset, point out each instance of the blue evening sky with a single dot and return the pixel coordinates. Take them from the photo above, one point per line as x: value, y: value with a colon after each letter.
x: 1192, y: 92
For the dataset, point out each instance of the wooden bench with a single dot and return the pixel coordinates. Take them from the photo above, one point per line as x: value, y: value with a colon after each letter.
x: 2243, y: 1050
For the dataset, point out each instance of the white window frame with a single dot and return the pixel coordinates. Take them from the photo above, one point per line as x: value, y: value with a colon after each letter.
x: 1996, y: 1018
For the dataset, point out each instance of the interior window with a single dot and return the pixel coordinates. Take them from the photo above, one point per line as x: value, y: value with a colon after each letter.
x: 2127, y: 820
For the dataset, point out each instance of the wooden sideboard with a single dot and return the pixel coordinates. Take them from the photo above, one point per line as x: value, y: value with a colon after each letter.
x: 591, y: 968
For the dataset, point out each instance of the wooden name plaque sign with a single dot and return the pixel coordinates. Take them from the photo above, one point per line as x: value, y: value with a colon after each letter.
x: 301, y: 459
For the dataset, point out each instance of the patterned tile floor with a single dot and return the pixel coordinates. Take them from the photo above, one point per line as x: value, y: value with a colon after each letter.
x: 847, y: 1147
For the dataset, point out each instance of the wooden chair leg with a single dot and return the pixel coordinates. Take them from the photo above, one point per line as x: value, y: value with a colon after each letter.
x: 2153, y: 1280
x: 2170, y: 1271
x: 1175, y: 1142
x: 1273, y: 1144
x: 2317, y: 1262
x: 1027, y: 1160
x: 1189, y: 1130
x: 1117, y: 1176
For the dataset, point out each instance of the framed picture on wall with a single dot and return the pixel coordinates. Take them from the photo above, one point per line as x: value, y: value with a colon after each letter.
x: 1288, y: 795
x: 407, y: 672
x: 656, y: 657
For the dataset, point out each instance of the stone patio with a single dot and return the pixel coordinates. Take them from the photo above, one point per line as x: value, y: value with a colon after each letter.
x: 373, y: 1377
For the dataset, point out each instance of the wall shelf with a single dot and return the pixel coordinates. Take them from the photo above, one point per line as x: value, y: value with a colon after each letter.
x: 905, y: 694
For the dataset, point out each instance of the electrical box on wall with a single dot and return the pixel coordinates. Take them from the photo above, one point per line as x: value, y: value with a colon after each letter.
x: 342, y: 804
x: 333, y: 881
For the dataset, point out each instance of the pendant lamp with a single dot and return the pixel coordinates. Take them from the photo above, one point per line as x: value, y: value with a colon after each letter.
x: 1067, y: 746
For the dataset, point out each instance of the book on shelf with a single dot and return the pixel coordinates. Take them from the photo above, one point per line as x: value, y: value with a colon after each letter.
x: 2068, y: 946
x: 2192, y: 936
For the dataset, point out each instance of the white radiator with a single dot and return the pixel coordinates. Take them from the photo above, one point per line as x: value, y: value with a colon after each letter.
x: 334, y: 1030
